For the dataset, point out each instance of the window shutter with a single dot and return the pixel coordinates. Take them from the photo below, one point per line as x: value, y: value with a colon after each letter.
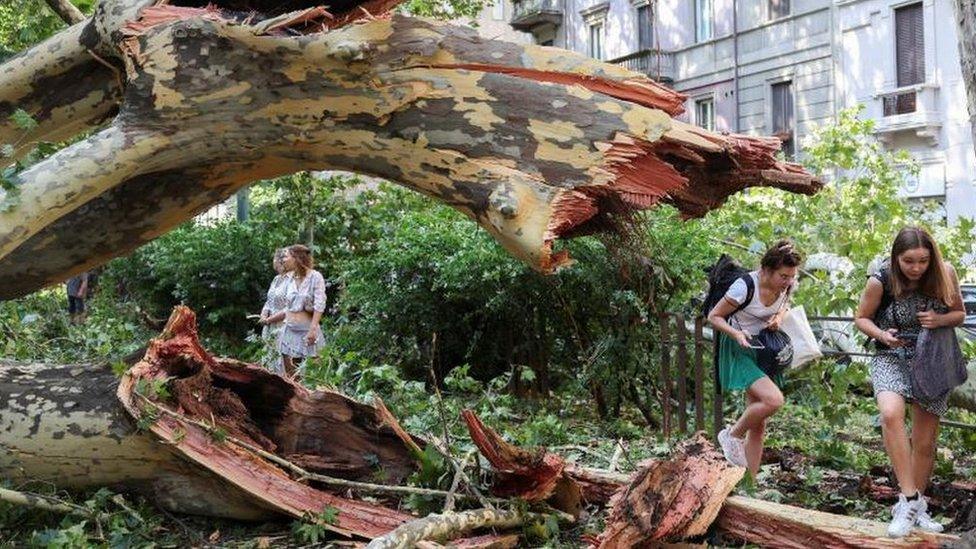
x: 910, y: 45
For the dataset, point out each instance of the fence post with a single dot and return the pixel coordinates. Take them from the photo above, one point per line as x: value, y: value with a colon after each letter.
x: 665, y: 377
x: 681, y: 370
x: 699, y: 375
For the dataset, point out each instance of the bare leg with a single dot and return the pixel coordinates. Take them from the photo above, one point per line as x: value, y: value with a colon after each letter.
x: 764, y: 399
x: 892, y: 408
x: 925, y: 431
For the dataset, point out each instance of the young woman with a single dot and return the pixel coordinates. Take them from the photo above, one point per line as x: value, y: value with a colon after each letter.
x: 275, y: 303
x: 742, y: 443
x: 301, y: 337
x: 923, y: 292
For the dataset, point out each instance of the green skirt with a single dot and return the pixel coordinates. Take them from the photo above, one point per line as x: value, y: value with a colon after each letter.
x: 737, y: 368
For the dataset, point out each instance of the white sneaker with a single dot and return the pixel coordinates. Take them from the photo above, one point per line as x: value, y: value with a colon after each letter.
x: 733, y: 447
x: 904, y: 515
x: 925, y: 522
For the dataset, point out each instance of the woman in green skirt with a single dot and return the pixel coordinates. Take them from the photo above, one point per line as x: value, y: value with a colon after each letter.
x: 735, y: 324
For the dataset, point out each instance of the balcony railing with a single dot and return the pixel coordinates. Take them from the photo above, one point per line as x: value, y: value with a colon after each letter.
x: 529, y: 14
x: 909, y: 108
x: 658, y: 65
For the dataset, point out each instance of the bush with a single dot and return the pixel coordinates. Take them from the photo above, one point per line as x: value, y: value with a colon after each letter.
x: 222, y: 272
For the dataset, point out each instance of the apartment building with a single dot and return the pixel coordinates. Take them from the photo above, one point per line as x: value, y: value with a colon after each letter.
x: 783, y: 67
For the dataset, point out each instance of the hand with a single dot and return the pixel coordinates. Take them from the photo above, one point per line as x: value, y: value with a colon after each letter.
x: 888, y: 338
x: 930, y: 319
x: 742, y: 339
x: 263, y: 320
x: 313, y: 335
x: 773, y: 324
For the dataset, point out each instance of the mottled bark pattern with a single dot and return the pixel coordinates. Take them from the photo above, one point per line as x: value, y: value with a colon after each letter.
x: 450, y: 525
x: 62, y: 424
x: 532, y: 143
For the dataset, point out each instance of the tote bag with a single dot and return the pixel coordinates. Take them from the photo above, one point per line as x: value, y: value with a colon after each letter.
x: 805, y: 346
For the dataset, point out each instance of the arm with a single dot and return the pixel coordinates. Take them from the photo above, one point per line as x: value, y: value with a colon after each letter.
x: 318, y: 306
x: 864, y: 317
x: 957, y: 312
x: 716, y: 318
x: 83, y: 289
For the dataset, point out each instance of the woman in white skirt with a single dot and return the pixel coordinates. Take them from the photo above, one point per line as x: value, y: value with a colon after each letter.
x: 274, y: 307
x: 301, y: 337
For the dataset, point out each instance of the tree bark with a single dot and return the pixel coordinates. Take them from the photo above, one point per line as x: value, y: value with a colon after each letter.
x: 66, y: 11
x: 451, y: 525
x: 776, y: 525
x: 532, y: 143
x: 671, y: 500
x: 965, y: 12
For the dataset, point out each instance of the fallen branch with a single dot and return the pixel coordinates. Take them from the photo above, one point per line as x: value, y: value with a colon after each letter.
x: 44, y: 503
x: 450, y: 525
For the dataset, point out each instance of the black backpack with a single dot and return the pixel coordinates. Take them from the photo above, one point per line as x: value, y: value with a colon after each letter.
x: 721, y: 276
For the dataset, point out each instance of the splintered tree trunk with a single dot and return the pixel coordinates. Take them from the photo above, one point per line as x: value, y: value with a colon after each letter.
x: 532, y: 143
x: 965, y: 11
x: 61, y: 424
x: 215, y: 436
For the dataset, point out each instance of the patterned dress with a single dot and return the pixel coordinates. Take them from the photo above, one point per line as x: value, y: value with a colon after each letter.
x: 890, y: 369
x: 276, y: 302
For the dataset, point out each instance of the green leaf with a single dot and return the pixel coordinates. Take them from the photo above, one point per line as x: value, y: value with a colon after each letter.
x: 23, y: 120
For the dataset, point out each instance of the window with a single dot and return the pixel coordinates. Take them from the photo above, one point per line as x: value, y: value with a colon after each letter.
x: 783, y: 126
x: 596, y: 40
x: 778, y: 8
x: 703, y: 20
x: 645, y: 27
x: 909, y: 45
x: 705, y: 114
x: 498, y: 10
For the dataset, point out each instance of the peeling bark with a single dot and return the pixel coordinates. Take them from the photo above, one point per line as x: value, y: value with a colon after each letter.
x: 532, y: 143
x: 671, y: 500
x: 532, y: 476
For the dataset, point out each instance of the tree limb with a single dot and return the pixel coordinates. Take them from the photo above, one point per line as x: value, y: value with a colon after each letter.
x: 66, y: 11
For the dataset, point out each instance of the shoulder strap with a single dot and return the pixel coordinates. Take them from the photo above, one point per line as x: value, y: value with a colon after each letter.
x: 750, y: 293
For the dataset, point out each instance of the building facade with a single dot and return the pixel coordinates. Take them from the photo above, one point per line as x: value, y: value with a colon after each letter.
x: 783, y: 67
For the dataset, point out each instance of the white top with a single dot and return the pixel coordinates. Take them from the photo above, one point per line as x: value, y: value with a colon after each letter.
x: 753, y: 318
x: 277, y: 295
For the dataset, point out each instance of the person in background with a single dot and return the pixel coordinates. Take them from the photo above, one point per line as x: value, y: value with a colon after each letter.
x: 736, y: 321
x: 77, y: 288
x: 274, y: 304
x: 918, y: 290
x: 301, y: 337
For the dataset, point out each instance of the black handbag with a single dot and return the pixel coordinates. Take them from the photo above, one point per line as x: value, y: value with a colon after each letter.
x: 938, y: 366
x: 774, y: 351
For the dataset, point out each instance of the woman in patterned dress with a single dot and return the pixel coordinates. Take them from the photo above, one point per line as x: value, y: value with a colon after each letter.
x: 275, y: 303
x: 301, y: 336
x: 920, y: 290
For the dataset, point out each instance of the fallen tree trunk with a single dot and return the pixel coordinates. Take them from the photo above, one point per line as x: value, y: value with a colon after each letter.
x: 61, y: 424
x: 772, y: 524
x: 532, y: 143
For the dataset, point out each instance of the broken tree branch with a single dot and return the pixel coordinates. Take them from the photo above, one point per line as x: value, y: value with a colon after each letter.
x: 66, y: 11
x: 449, y: 525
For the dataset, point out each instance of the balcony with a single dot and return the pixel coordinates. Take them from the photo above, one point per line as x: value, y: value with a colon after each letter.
x: 912, y: 108
x: 530, y: 14
x: 658, y: 65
